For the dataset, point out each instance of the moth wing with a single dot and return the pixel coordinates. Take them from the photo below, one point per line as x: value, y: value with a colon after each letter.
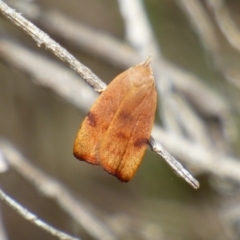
x: 99, y: 118
x: 124, y: 143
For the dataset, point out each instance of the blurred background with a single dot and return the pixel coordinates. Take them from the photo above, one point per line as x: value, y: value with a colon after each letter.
x: 195, y: 47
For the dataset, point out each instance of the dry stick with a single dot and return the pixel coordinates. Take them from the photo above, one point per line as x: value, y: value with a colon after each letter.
x: 225, y: 167
x: 43, y: 39
x: 177, y: 166
x: 56, y: 191
x: 33, y: 218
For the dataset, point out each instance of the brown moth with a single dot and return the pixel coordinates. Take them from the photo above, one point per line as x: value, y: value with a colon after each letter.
x: 116, y: 131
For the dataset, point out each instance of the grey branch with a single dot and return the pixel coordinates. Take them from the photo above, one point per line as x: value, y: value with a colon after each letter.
x: 43, y: 40
x: 175, y: 165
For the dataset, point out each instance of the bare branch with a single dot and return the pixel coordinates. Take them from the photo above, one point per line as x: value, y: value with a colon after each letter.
x: 175, y: 165
x: 225, y: 167
x: 33, y: 218
x: 43, y: 40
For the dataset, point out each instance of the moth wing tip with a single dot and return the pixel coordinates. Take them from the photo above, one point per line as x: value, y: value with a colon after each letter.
x: 148, y: 61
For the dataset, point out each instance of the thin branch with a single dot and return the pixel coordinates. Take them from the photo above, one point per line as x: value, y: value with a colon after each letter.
x: 56, y: 191
x: 44, y: 40
x: 212, y: 162
x: 175, y: 165
x: 33, y: 218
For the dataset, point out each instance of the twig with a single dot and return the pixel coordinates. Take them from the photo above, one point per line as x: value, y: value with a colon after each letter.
x: 33, y: 218
x: 225, y: 167
x: 53, y: 189
x: 43, y: 40
x: 175, y: 165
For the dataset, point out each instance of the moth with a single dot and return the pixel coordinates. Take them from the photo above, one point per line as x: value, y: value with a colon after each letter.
x: 116, y: 131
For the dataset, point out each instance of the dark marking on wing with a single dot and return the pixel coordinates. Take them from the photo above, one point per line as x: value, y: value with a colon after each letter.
x: 140, y: 142
x: 91, y: 119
